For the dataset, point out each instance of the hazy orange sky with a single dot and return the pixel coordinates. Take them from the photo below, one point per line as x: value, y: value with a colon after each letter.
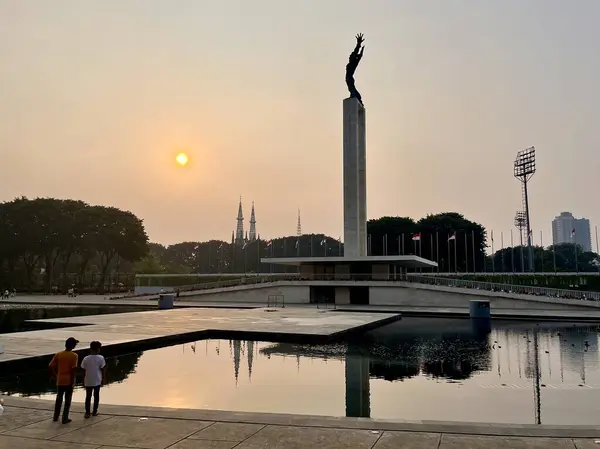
x: 97, y: 98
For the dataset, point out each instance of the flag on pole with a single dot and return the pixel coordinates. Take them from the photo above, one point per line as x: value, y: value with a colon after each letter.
x: 221, y: 245
x: 297, y: 243
x: 416, y: 237
x: 323, y: 242
x: 268, y: 243
x: 452, y: 237
x: 197, y: 246
x: 573, y: 233
x: 244, y: 245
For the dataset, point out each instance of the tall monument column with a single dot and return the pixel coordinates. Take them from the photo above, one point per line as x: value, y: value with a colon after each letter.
x: 355, y: 178
x: 355, y: 161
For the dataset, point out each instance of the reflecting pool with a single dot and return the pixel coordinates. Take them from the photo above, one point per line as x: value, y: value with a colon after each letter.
x: 413, y: 369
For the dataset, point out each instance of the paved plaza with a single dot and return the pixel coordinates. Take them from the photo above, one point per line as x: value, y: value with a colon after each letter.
x: 27, y: 424
x: 156, y: 326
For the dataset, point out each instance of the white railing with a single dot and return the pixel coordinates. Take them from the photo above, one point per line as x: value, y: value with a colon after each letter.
x: 407, y: 277
x: 507, y: 288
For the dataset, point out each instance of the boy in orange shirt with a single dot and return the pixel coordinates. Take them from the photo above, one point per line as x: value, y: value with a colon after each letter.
x: 63, y: 367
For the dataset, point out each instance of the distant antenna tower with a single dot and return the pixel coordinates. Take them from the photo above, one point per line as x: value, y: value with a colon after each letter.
x: 524, y: 170
x: 299, y: 226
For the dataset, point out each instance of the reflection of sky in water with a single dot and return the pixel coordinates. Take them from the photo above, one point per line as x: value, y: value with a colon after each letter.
x: 415, y: 369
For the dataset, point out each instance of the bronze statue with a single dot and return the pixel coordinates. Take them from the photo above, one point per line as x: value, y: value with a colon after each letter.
x: 353, y: 61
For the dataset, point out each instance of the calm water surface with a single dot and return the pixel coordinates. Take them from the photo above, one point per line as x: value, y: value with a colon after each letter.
x: 414, y: 369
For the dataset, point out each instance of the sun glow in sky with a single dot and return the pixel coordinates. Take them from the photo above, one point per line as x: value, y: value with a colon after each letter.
x: 253, y: 91
x: 182, y: 159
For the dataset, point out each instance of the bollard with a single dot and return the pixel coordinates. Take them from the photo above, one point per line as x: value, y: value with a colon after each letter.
x: 480, y: 309
x: 481, y: 322
x: 165, y: 301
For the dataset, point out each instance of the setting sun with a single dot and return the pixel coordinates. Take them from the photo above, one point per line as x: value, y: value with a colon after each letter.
x: 181, y: 159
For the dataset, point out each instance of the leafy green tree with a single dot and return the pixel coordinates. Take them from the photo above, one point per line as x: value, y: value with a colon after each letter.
x: 434, y: 244
x: 118, y: 233
x: 45, y: 237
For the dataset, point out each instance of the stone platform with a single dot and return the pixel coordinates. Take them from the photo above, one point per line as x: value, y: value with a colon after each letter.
x: 27, y: 424
x: 147, y: 329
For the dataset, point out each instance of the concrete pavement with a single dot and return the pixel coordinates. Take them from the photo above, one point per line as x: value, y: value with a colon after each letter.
x: 27, y: 424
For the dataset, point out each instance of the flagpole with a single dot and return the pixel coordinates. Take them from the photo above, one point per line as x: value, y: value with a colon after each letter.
x: 258, y: 253
x: 522, y: 256
x: 554, y: 256
x: 493, y: 255
x: 574, y: 238
x: 437, y: 250
x: 399, y: 251
x: 298, y: 253
x: 420, y: 250
x: 209, y: 268
x: 542, y: 245
x: 431, y: 246
x: 311, y: 245
x: 502, y: 251
x: 597, y: 240
x: 448, y: 255
x: 245, y: 264
x: 512, y: 251
x: 402, y: 243
x: 455, y: 254
x: 466, y: 254
x: 473, y: 248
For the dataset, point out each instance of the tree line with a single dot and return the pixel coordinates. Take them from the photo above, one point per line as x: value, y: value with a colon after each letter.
x: 563, y: 257
x: 51, y: 244
x: 386, y: 236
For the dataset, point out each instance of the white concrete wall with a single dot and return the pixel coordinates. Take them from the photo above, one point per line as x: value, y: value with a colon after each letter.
x: 386, y: 293
x: 420, y: 297
x: 256, y: 294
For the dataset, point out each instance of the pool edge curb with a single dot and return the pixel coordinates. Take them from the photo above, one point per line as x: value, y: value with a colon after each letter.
x: 446, y: 427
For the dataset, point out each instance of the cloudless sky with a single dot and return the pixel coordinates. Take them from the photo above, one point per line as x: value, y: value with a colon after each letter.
x: 97, y: 98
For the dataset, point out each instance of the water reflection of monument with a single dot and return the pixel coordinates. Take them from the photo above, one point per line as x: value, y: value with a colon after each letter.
x: 396, y: 352
x: 539, y: 357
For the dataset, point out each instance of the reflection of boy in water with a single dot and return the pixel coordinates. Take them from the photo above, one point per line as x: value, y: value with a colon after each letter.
x: 353, y: 61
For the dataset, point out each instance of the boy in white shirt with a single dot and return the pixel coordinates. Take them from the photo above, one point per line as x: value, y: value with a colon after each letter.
x: 94, y: 366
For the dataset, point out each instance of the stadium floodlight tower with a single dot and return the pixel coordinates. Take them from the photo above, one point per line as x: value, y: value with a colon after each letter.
x: 524, y: 170
x: 520, y: 224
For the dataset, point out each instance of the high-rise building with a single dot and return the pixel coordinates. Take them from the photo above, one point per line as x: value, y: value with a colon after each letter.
x: 568, y: 229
